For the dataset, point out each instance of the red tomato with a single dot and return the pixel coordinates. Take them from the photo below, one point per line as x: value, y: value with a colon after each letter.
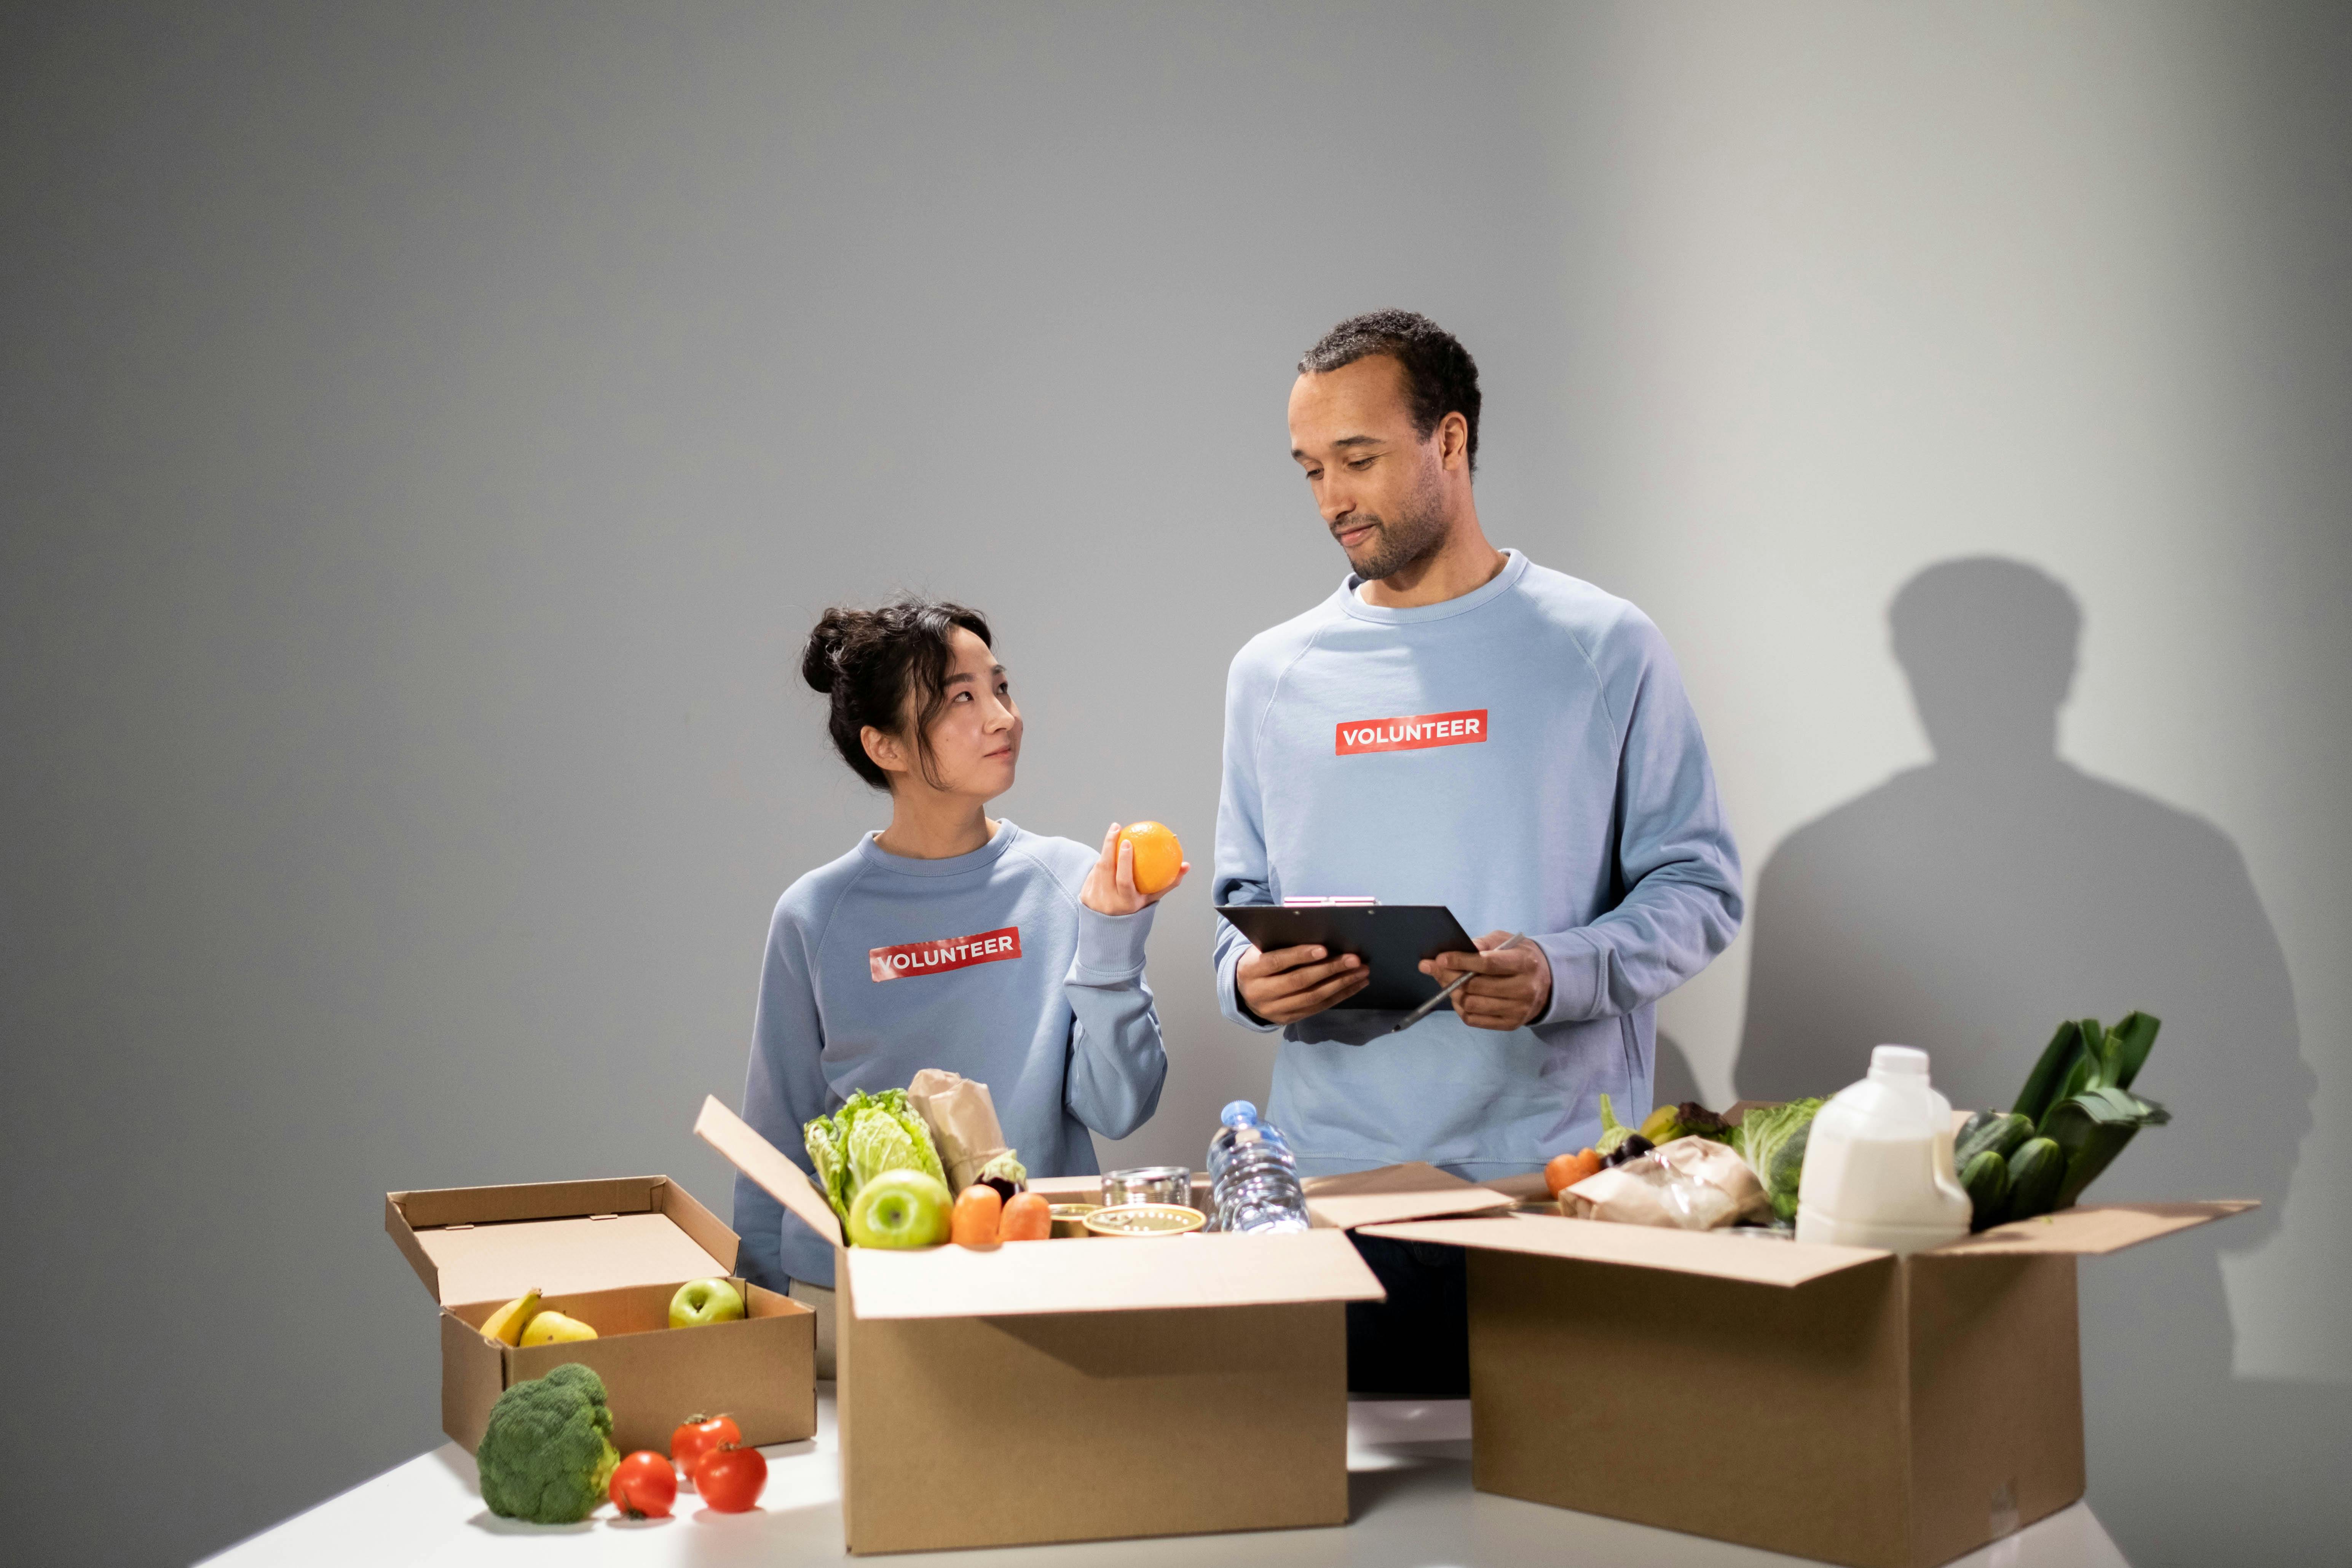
x: 732, y: 1478
x: 697, y: 1436
x: 644, y: 1486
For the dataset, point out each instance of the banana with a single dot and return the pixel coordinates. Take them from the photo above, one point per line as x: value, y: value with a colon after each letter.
x: 506, y: 1325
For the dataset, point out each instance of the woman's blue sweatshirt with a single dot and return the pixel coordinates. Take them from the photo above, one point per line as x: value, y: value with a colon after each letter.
x: 1524, y: 754
x: 985, y: 964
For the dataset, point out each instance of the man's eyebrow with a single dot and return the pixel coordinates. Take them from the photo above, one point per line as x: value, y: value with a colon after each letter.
x: 1347, y: 441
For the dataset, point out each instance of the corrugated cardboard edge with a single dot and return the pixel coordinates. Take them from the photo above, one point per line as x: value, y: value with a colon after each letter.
x: 526, y: 1202
x: 766, y: 1164
x: 1759, y: 1262
x: 705, y: 1229
x: 404, y: 1237
x: 2092, y: 1231
x: 2080, y: 1232
x: 1393, y: 1194
x: 1031, y: 1278
x: 429, y: 1208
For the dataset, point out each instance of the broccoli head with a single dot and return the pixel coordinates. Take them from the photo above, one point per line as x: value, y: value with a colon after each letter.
x: 547, y: 1454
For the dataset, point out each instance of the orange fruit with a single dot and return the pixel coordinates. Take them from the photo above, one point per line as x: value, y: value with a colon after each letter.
x: 1158, y: 857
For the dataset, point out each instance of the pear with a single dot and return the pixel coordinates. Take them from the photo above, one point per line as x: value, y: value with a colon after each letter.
x: 506, y: 1324
x: 555, y: 1329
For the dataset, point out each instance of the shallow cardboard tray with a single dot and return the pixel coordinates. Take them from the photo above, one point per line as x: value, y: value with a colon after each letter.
x: 611, y: 1253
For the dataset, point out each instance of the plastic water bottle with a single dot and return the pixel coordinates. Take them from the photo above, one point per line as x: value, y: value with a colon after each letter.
x: 1254, y: 1174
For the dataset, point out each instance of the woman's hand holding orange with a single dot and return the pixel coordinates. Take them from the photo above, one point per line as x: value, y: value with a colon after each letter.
x: 1138, y: 868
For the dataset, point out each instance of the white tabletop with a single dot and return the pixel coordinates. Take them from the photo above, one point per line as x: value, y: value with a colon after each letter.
x: 1409, y: 1487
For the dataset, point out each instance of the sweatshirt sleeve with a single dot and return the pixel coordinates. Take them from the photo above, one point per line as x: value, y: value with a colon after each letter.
x: 1677, y: 863
x: 1118, y: 1059
x: 1242, y: 874
x: 783, y: 1088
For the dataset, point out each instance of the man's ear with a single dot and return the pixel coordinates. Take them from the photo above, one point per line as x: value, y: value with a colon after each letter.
x: 884, y: 748
x: 1454, y: 440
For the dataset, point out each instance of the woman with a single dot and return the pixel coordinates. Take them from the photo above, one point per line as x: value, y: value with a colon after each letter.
x: 947, y: 940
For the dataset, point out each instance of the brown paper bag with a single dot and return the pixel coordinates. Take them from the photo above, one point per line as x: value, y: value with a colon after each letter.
x: 962, y: 1119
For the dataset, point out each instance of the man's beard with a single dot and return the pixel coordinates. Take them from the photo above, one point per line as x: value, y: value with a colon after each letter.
x: 1417, y: 532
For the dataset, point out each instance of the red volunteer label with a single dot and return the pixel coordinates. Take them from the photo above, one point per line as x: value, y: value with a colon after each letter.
x: 949, y: 952
x: 1466, y: 727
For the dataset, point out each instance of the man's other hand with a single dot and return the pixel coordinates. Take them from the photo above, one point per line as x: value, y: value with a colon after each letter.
x: 1513, y: 985
x: 1294, y: 982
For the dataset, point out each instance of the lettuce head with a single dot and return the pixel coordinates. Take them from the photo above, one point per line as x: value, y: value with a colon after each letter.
x: 869, y: 1135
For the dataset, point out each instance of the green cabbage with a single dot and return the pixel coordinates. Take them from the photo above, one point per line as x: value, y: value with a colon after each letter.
x: 1772, y: 1138
x: 869, y: 1135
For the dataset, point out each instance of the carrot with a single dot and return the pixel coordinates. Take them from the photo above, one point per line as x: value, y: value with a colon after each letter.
x: 1028, y: 1217
x: 977, y: 1210
x: 1565, y: 1171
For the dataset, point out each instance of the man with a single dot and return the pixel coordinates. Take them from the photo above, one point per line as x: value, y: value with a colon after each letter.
x: 1577, y: 809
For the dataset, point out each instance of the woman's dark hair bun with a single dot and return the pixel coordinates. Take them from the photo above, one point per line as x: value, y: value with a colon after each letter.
x: 871, y: 663
x: 821, y: 659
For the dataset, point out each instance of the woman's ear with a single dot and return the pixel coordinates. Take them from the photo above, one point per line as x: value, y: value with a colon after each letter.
x: 884, y: 748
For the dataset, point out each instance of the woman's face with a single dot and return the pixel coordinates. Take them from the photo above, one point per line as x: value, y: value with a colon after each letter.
x: 976, y: 738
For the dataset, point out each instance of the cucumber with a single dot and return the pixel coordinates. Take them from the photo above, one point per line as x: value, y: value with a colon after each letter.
x: 1986, y: 1177
x: 2036, y: 1171
x: 2001, y: 1132
x: 1972, y: 1128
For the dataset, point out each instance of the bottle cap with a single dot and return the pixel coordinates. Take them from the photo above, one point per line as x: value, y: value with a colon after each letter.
x: 1239, y: 1114
x: 1894, y: 1061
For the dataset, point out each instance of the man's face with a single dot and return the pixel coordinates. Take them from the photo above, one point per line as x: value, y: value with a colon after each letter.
x: 1377, y: 484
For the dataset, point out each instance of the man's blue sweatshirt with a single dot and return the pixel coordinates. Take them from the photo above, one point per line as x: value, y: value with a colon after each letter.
x: 985, y: 964
x: 1524, y: 754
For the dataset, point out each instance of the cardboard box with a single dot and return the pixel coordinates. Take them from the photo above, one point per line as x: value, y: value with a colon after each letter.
x: 1084, y: 1377
x: 1828, y: 1402
x: 610, y: 1253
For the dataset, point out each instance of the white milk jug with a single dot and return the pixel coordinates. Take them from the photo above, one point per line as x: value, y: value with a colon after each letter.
x: 1878, y: 1162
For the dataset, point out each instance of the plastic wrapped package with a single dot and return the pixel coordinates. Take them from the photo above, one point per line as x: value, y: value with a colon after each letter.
x: 1690, y: 1184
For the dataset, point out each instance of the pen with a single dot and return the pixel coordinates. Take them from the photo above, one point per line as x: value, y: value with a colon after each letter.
x: 1426, y: 1008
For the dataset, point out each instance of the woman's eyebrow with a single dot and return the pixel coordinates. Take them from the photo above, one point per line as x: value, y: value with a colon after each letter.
x: 957, y: 679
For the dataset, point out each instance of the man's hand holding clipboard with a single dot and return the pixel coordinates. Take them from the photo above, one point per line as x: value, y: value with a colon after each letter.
x: 1294, y: 982
x: 1510, y: 981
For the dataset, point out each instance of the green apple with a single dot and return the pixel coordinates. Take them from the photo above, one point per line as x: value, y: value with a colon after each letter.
x: 704, y: 1301
x: 900, y: 1208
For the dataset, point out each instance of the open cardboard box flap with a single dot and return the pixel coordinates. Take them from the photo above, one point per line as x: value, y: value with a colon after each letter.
x: 567, y: 1238
x: 1759, y: 1262
x: 1396, y: 1193
x: 1024, y: 1279
x: 2107, y: 1227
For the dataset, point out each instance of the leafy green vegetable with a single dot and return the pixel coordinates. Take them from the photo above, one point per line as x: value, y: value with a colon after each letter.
x: 1005, y: 1167
x: 546, y: 1452
x: 1772, y: 1138
x: 832, y: 1166
x: 2079, y: 1095
x: 1612, y: 1132
x: 869, y: 1135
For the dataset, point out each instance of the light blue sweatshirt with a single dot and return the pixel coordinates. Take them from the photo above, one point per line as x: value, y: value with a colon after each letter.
x: 1525, y: 755
x: 985, y: 964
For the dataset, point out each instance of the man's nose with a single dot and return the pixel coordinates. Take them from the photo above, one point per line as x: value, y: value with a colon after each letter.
x: 1334, y: 501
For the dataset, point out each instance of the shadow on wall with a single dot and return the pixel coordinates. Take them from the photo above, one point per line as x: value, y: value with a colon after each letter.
x: 1968, y: 905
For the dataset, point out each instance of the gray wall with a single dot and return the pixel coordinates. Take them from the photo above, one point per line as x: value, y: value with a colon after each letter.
x: 428, y: 431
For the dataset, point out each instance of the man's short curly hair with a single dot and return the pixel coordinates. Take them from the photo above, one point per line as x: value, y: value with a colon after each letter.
x: 1440, y: 376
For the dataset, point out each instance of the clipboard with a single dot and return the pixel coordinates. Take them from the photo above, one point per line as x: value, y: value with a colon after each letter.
x: 1392, y: 940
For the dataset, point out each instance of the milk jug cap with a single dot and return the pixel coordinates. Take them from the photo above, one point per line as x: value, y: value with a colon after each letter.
x: 1897, y: 1062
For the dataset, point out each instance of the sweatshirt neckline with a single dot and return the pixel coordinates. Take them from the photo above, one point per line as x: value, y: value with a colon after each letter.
x: 1513, y: 568
x: 871, y: 850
